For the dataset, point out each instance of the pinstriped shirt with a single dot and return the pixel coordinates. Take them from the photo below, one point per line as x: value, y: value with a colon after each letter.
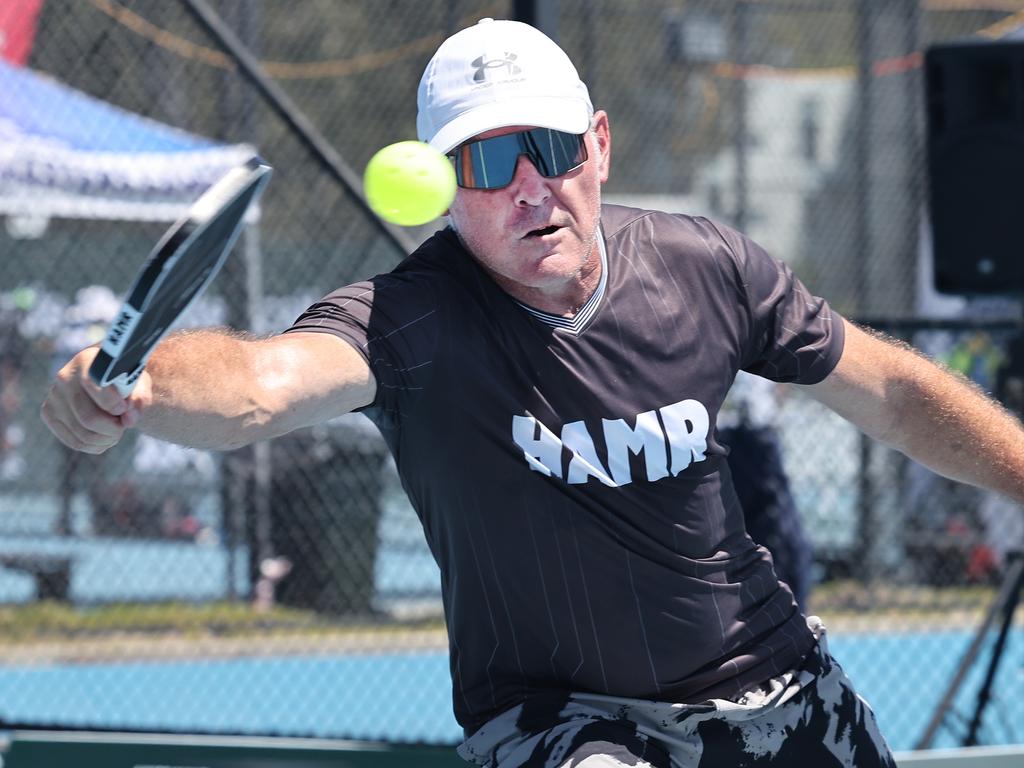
x: 568, y: 475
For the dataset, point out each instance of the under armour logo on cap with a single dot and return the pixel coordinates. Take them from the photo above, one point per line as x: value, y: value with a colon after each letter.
x: 475, y: 83
x: 482, y: 64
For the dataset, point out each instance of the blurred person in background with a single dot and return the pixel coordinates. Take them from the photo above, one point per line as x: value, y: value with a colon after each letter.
x: 997, y: 525
x: 14, y: 305
x: 748, y: 425
x: 976, y: 357
x: 1004, y: 518
x: 113, y: 503
x: 119, y: 505
x: 959, y: 534
x: 548, y: 372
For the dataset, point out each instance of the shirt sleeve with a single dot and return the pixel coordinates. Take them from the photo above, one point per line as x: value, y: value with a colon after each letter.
x: 392, y: 323
x: 794, y: 336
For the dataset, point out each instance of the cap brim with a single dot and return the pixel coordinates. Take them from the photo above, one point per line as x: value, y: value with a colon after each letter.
x: 556, y: 113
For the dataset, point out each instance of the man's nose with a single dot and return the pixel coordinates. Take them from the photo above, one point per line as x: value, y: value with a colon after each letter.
x: 528, y: 186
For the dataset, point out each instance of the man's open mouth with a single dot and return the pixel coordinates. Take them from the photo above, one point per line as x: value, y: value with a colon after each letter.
x: 543, y: 231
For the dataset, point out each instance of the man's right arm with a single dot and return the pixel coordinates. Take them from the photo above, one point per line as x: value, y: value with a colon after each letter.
x: 213, y: 389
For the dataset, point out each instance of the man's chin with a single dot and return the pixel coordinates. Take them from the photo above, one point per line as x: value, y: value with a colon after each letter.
x: 552, y: 274
x: 557, y: 245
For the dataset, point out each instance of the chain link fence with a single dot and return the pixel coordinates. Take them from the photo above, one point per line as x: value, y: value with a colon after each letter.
x: 286, y: 588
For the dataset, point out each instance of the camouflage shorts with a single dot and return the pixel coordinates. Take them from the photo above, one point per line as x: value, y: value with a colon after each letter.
x: 810, y: 716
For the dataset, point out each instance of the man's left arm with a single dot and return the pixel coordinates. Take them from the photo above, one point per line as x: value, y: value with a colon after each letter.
x: 935, y: 417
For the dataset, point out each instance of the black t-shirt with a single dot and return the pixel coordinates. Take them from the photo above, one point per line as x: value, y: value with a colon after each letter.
x: 569, y: 480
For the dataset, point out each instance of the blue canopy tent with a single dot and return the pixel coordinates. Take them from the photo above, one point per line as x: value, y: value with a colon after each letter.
x: 66, y: 154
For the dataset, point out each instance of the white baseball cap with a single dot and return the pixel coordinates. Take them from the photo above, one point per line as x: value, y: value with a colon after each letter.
x: 495, y: 74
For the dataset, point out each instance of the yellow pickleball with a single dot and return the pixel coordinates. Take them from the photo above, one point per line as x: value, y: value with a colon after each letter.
x: 409, y: 183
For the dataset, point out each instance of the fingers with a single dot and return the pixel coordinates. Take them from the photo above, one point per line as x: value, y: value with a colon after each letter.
x: 76, y: 438
x: 138, y: 400
x: 107, y: 399
x: 82, y: 415
x: 78, y: 422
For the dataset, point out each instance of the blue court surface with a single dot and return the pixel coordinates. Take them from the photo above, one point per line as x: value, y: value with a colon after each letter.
x: 406, y: 697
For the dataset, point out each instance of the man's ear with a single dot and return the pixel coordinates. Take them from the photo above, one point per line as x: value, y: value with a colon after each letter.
x: 603, y: 136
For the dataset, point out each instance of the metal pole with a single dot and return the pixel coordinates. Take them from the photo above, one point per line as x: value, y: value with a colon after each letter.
x: 862, y: 155
x: 590, y: 14
x: 542, y: 14
x: 863, y: 257
x: 261, y: 543
x: 293, y: 116
x: 913, y: 87
x: 249, y: 499
x: 739, y: 132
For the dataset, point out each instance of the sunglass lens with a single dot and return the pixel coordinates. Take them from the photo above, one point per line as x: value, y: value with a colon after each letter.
x: 554, y: 152
x: 487, y: 164
x: 491, y: 163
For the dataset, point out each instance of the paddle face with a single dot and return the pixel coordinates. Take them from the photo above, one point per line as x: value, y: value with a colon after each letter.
x: 181, y: 265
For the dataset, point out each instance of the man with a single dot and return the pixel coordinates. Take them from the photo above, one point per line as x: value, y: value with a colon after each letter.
x: 13, y: 349
x: 547, y: 373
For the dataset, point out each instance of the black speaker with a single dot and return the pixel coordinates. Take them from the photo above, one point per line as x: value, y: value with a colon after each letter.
x: 975, y: 117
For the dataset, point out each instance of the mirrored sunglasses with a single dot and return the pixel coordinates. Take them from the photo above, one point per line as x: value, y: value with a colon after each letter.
x: 491, y: 163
